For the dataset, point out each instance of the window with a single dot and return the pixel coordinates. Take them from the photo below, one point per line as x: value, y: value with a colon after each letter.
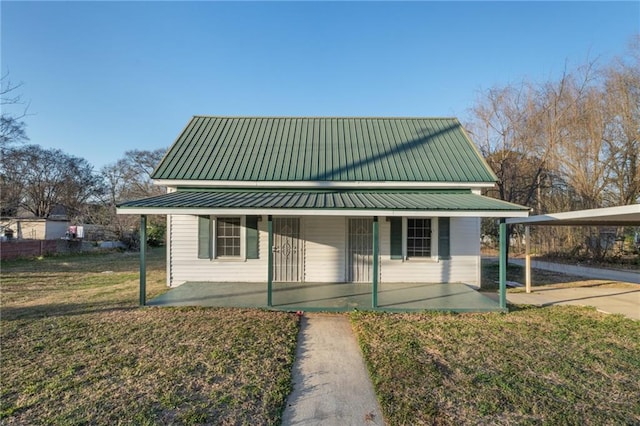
x: 418, y: 238
x: 228, y: 237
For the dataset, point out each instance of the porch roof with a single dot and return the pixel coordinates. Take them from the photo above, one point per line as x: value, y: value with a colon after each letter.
x: 325, y: 202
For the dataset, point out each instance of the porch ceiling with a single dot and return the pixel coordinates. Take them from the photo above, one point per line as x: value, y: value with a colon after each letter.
x: 327, y: 202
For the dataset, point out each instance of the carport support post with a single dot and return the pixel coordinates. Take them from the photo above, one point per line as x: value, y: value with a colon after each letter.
x: 374, y: 301
x: 270, y: 259
x: 143, y: 260
x: 527, y: 259
x: 503, y: 263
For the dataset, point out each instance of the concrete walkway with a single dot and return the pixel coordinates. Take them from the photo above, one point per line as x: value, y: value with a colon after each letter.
x: 331, y: 385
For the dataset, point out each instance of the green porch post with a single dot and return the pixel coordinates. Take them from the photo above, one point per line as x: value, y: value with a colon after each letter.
x: 375, y: 263
x: 503, y: 263
x: 270, y: 260
x: 143, y: 260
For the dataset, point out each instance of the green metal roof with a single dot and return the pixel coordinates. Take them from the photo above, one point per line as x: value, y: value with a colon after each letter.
x: 324, y: 199
x: 336, y: 149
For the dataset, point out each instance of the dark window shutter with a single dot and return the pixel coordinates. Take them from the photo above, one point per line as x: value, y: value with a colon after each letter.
x: 204, y: 237
x: 444, y: 245
x: 252, y: 236
x: 396, y: 238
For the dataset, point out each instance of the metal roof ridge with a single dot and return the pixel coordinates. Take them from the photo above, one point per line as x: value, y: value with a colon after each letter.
x: 345, y: 117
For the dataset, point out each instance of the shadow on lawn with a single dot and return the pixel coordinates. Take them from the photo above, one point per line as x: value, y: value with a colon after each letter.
x: 60, y: 309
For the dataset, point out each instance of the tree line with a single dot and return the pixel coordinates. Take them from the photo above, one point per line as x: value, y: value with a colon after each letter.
x: 570, y: 143
x: 565, y: 144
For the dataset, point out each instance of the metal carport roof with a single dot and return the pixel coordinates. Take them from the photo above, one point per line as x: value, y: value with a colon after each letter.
x: 609, y: 216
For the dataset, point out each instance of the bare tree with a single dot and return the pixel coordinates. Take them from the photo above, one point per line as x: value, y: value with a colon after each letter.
x: 136, y: 168
x: 622, y: 135
x: 505, y: 132
x: 128, y: 178
x: 569, y: 143
x: 581, y: 156
x: 41, y: 179
x: 12, y: 126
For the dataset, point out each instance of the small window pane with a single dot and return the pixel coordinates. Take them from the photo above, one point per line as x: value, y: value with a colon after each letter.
x: 418, y: 238
x: 228, y: 237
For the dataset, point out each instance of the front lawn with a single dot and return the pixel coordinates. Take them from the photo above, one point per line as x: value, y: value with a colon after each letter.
x: 76, y: 349
x: 559, y: 365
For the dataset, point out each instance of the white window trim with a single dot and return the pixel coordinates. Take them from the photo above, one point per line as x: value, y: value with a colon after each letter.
x: 434, y: 241
x: 243, y: 237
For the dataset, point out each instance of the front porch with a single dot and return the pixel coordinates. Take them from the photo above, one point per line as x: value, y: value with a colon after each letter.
x: 331, y: 297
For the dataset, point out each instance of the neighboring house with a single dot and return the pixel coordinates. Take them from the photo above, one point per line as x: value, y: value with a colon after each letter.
x: 326, y: 194
x: 33, y: 228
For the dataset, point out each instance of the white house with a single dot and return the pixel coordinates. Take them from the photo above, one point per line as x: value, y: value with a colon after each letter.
x: 323, y: 200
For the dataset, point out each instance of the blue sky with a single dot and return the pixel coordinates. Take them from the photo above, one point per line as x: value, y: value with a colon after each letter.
x: 106, y: 77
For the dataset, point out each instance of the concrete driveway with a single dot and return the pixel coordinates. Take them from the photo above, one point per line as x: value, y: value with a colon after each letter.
x: 623, y: 300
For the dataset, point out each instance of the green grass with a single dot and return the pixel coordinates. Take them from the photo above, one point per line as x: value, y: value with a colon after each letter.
x: 561, y: 365
x: 76, y: 349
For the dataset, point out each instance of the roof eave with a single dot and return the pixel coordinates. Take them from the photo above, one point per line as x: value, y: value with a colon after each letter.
x: 320, y: 184
x: 321, y: 212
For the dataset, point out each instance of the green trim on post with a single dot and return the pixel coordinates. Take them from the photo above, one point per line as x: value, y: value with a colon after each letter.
x: 503, y: 264
x: 270, y: 260
x: 375, y: 263
x: 143, y: 260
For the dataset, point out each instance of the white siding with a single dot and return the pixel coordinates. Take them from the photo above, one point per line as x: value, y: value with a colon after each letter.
x: 185, y: 265
x: 325, y: 250
x: 324, y: 254
x: 462, y: 267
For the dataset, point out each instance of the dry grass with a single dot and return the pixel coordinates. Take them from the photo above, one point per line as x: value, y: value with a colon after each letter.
x: 76, y: 349
x: 541, y: 277
x: 560, y: 365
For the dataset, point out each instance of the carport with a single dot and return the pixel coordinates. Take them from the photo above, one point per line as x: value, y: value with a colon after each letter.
x: 610, y: 216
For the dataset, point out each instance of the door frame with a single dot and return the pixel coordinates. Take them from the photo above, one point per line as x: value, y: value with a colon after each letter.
x: 300, y: 248
x: 348, y: 254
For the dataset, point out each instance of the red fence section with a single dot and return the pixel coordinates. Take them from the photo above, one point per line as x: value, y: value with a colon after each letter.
x: 33, y: 248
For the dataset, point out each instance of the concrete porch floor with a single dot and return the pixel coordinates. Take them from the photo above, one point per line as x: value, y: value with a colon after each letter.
x: 331, y: 297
